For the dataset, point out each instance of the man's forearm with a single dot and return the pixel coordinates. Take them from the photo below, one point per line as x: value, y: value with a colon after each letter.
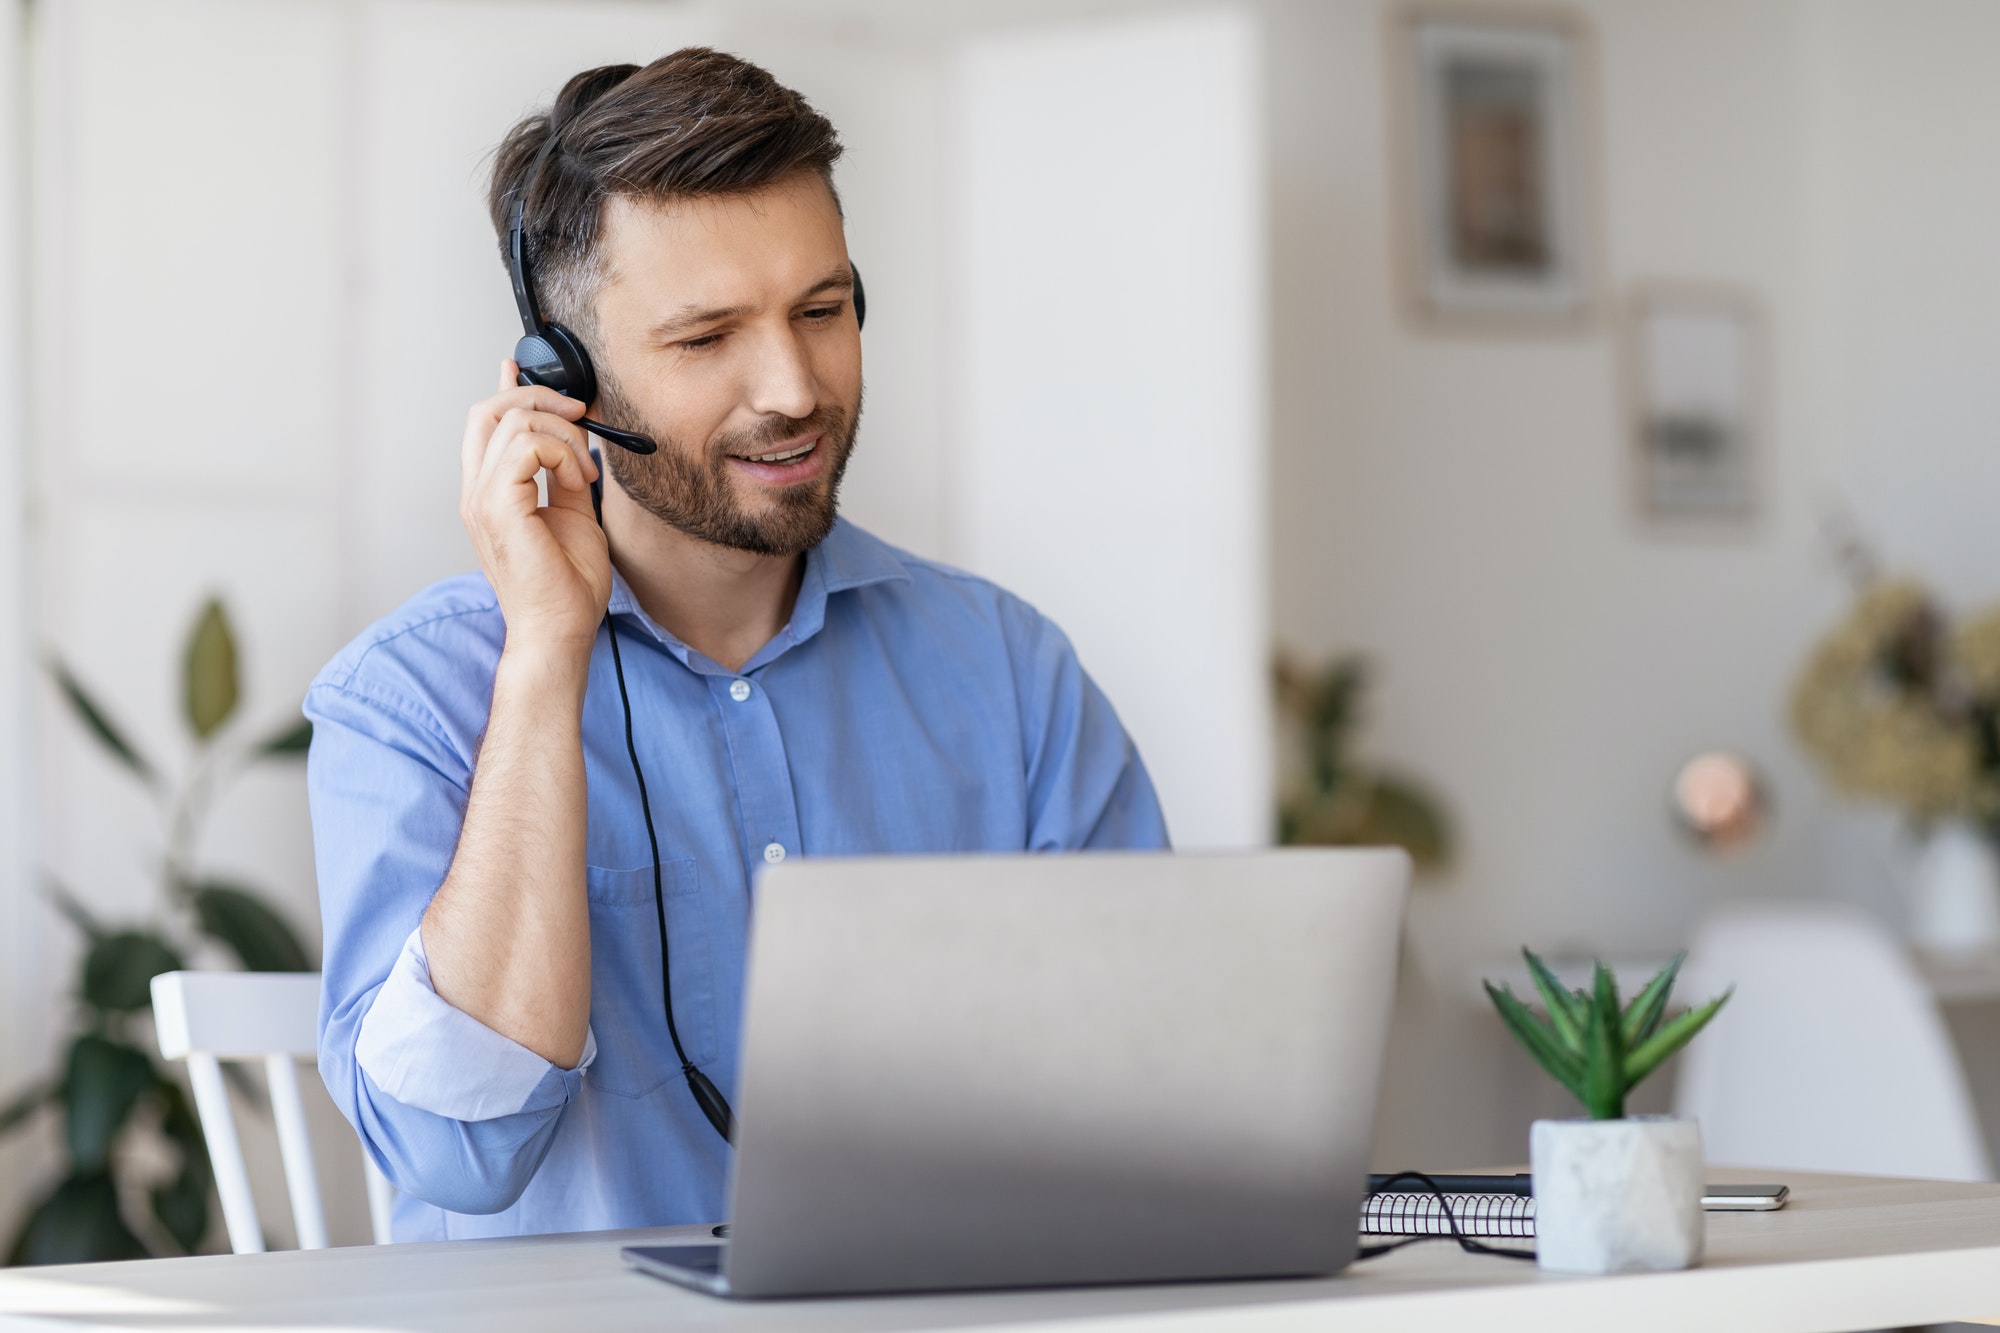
x: 508, y: 934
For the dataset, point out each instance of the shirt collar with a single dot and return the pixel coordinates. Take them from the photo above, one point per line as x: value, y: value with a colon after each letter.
x: 846, y: 559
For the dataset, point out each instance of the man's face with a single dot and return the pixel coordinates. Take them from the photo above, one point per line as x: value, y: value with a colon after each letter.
x: 725, y: 331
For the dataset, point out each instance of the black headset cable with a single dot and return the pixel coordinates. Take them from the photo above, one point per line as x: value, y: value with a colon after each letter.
x: 706, y: 1095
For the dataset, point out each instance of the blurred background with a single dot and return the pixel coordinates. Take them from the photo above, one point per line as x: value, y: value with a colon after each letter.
x: 1563, y: 395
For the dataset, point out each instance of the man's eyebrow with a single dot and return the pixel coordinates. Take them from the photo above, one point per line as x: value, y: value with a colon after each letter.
x: 842, y: 277
x: 693, y: 317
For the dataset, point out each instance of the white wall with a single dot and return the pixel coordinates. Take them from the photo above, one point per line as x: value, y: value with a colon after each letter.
x: 1458, y: 507
x: 22, y: 984
x: 1109, y: 456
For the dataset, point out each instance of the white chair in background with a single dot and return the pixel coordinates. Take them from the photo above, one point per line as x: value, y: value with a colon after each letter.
x: 271, y: 1017
x: 1831, y: 1056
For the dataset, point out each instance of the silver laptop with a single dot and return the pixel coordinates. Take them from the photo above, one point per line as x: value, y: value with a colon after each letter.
x: 1015, y: 1071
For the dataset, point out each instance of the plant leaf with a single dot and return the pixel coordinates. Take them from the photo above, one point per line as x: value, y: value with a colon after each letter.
x: 290, y: 743
x: 1538, y: 1037
x: 1676, y: 1033
x: 1643, y: 1015
x: 31, y: 1100
x: 1396, y: 811
x: 118, y: 971
x: 100, y: 724
x: 72, y: 907
x: 105, y: 1079
x: 243, y: 921
x: 209, y: 671
x: 78, y: 1222
x: 178, y: 1122
x: 1603, y: 1067
x: 181, y: 1206
x: 1565, y: 1014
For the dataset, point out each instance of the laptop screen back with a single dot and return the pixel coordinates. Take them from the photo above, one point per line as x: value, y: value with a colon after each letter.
x: 1000, y: 1071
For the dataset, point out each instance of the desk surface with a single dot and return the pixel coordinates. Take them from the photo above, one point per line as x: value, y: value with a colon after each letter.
x: 1847, y: 1253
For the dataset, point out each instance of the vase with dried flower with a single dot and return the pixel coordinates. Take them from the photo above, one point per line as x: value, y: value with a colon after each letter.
x: 1899, y: 704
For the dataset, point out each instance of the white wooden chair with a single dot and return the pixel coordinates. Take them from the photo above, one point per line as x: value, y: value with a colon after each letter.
x: 1831, y: 1056
x: 205, y: 1018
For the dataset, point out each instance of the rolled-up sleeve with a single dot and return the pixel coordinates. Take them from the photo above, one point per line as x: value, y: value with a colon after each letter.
x: 425, y: 1053
x: 452, y: 1112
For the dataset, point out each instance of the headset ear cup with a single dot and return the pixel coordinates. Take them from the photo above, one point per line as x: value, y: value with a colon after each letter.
x: 860, y: 298
x: 579, y: 375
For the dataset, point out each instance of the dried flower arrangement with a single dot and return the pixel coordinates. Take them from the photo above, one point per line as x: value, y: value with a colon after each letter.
x: 1900, y: 705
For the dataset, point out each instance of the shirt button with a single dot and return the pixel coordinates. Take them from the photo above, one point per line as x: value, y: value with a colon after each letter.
x: 739, y: 690
x: 774, y: 852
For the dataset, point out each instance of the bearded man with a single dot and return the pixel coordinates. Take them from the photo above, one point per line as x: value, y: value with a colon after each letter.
x: 540, y: 792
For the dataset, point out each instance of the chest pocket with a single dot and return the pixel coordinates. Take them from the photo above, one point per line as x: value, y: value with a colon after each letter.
x: 634, y: 1054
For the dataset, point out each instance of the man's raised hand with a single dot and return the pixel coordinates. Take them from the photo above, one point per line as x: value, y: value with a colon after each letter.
x: 549, y: 565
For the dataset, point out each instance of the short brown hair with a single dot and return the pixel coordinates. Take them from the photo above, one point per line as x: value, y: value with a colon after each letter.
x: 694, y: 123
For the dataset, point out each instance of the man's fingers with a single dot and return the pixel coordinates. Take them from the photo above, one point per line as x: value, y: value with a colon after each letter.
x: 519, y: 421
x: 510, y: 374
x: 514, y: 463
x: 538, y: 397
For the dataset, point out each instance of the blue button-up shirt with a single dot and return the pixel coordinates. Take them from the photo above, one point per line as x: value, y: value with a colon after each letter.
x: 907, y: 707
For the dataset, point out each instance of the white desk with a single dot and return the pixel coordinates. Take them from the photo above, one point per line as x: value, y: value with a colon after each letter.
x: 1847, y: 1253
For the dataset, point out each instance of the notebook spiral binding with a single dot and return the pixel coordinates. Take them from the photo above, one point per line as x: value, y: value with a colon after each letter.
x: 1422, y: 1215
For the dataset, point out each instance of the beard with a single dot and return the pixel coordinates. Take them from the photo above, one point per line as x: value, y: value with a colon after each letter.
x: 688, y: 487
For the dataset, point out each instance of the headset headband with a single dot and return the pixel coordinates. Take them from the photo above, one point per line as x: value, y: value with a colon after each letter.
x: 517, y: 269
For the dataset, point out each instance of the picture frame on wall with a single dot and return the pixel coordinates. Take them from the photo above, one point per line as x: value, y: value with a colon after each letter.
x: 1493, y: 147
x: 1692, y: 356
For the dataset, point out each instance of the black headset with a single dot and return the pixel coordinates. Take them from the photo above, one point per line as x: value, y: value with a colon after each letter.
x: 551, y: 356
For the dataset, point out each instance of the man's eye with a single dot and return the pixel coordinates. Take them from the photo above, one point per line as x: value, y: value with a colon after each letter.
x: 706, y: 340
x: 819, y: 314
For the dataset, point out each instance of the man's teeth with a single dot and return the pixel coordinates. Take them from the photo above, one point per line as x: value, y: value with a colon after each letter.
x: 786, y: 457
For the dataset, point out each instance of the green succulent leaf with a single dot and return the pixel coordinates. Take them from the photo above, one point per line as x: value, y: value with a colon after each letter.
x: 118, y: 971
x: 290, y: 743
x: 1565, y: 1013
x: 1603, y: 1063
x: 1643, y: 1015
x: 239, y: 918
x: 30, y: 1100
x: 78, y: 1222
x: 1674, y: 1034
x: 99, y: 723
x: 104, y: 1080
x: 1563, y: 1064
x: 209, y: 671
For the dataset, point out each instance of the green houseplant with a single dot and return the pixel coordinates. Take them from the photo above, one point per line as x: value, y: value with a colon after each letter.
x: 1613, y: 1192
x: 111, y: 1086
x: 1333, y: 796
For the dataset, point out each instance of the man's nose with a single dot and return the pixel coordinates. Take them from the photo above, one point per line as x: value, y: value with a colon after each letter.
x: 783, y: 383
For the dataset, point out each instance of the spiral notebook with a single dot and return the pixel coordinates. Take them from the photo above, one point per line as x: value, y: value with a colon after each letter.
x: 1483, y: 1215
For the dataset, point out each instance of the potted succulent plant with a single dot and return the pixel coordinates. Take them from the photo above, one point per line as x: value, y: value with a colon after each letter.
x: 1613, y: 1193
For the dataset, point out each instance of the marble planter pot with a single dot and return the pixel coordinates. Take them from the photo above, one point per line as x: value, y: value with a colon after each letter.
x: 1617, y: 1196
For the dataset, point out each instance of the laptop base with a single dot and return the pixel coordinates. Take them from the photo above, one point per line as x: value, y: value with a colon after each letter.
x: 697, y: 1266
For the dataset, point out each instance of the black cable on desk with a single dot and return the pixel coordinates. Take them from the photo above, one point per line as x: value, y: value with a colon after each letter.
x: 1465, y: 1242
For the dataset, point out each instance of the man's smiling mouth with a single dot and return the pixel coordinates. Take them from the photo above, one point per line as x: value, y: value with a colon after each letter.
x: 792, y: 455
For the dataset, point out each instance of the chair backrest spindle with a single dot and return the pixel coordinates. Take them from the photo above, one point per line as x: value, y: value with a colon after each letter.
x: 272, y: 1017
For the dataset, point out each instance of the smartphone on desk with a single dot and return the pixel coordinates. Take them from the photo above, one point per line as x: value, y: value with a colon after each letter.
x: 1744, y: 1198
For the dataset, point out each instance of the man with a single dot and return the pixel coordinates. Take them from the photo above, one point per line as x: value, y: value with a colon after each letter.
x: 493, y: 1021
